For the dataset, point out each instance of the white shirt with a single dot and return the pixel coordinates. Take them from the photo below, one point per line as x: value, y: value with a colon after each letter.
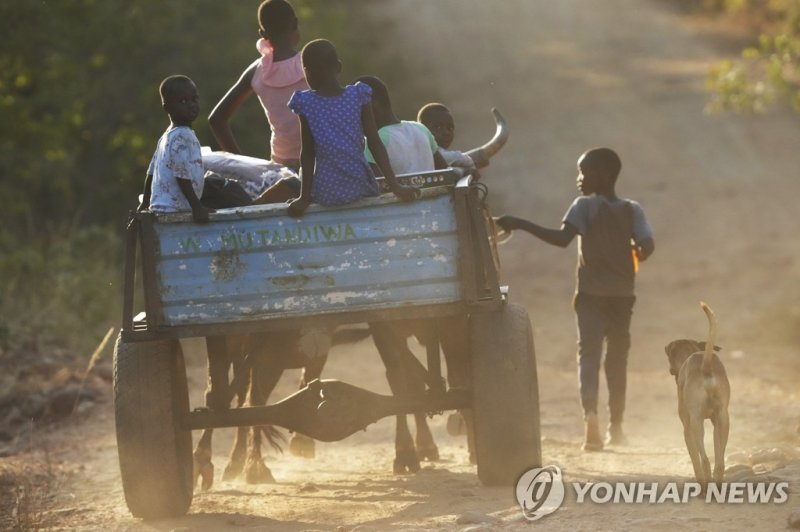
x: 457, y: 159
x: 410, y: 146
x: 177, y: 156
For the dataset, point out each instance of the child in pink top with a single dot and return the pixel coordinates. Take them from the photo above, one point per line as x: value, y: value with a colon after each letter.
x: 274, y: 77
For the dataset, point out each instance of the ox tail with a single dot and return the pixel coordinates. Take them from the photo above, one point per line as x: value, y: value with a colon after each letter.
x: 708, y: 354
x: 275, y: 438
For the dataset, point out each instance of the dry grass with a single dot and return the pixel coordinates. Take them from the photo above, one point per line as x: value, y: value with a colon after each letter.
x: 28, y: 485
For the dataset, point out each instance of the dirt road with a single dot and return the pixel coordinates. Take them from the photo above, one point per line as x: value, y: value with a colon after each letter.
x: 720, y: 193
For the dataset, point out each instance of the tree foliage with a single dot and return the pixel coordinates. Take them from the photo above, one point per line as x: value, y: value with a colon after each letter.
x: 768, y: 72
x: 79, y: 119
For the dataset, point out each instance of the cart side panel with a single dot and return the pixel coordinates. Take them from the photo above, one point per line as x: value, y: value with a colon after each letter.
x: 373, y: 255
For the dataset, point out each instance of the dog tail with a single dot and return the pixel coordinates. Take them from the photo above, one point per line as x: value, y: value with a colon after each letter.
x: 708, y: 354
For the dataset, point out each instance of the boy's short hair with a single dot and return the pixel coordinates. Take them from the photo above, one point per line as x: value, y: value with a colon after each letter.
x: 379, y: 91
x: 604, y: 160
x: 168, y: 85
x: 430, y: 110
x: 319, y: 54
x: 276, y: 17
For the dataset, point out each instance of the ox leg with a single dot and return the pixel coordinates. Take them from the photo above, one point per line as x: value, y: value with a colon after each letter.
x: 238, y: 454
x: 390, y: 346
x: 300, y: 444
x: 217, y: 398
x: 454, y: 335
x: 241, y: 382
x: 203, y: 468
x: 218, y: 391
x: 426, y: 446
x: 417, y: 376
x: 267, y: 368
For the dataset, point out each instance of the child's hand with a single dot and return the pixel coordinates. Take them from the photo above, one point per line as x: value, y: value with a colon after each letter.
x: 507, y: 223
x: 200, y: 214
x: 298, y: 207
x: 406, y: 193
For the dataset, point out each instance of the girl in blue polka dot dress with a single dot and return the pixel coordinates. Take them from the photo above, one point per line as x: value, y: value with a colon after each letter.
x: 333, y: 122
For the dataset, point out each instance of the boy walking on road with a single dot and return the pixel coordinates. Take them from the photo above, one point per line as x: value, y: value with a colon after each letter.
x: 614, y: 237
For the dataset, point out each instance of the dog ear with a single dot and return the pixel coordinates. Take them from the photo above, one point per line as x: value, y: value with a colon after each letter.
x: 703, y: 346
x: 670, y: 347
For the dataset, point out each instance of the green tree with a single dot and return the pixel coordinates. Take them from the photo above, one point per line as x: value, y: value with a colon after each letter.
x: 768, y: 72
x: 79, y: 118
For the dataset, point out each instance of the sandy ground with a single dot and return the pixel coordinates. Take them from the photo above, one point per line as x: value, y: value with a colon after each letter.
x: 720, y: 193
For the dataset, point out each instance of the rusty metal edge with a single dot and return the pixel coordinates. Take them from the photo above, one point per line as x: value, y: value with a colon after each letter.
x: 323, y: 320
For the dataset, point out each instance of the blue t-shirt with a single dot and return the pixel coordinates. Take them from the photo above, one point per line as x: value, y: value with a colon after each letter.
x: 341, y: 172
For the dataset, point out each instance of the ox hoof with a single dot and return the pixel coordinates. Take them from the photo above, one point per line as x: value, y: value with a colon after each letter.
x: 232, y: 470
x: 428, y: 452
x: 302, y: 446
x: 255, y: 472
x: 203, y: 474
x: 456, y: 425
x: 406, y: 462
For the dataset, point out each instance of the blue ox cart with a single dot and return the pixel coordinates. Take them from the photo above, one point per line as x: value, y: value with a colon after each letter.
x: 256, y: 269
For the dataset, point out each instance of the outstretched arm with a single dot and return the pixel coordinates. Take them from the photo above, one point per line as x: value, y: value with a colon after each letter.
x: 220, y: 117
x: 557, y: 237
x: 438, y: 161
x: 645, y: 248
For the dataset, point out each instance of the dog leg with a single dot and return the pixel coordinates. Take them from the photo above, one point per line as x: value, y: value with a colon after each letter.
x: 721, y: 428
x: 694, y: 453
x: 698, y: 433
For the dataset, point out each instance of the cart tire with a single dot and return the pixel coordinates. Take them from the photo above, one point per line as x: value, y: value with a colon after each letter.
x: 155, y: 453
x: 505, y: 395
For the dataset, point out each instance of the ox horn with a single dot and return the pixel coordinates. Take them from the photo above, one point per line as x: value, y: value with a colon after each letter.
x: 482, y: 155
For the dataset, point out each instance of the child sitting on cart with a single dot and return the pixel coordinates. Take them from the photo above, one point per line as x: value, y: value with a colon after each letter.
x: 438, y: 119
x: 174, y: 179
x: 333, y: 122
x: 410, y: 146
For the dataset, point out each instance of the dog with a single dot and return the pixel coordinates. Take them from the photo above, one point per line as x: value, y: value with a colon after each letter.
x: 703, y: 393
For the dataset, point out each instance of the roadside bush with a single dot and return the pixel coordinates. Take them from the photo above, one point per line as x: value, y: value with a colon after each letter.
x: 80, y: 116
x: 61, y: 289
x: 767, y: 72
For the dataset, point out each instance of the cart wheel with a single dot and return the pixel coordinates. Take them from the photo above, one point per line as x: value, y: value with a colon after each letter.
x: 505, y: 395
x: 155, y: 453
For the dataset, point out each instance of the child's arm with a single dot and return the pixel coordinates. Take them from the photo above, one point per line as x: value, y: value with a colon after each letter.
x: 557, y: 237
x: 308, y: 152
x: 438, y: 161
x: 645, y: 248
x: 220, y: 117
x: 199, y: 211
x: 148, y: 186
x: 644, y: 245
x: 378, y: 151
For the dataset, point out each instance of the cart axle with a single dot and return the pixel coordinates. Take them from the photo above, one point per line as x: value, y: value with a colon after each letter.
x: 327, y: 410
